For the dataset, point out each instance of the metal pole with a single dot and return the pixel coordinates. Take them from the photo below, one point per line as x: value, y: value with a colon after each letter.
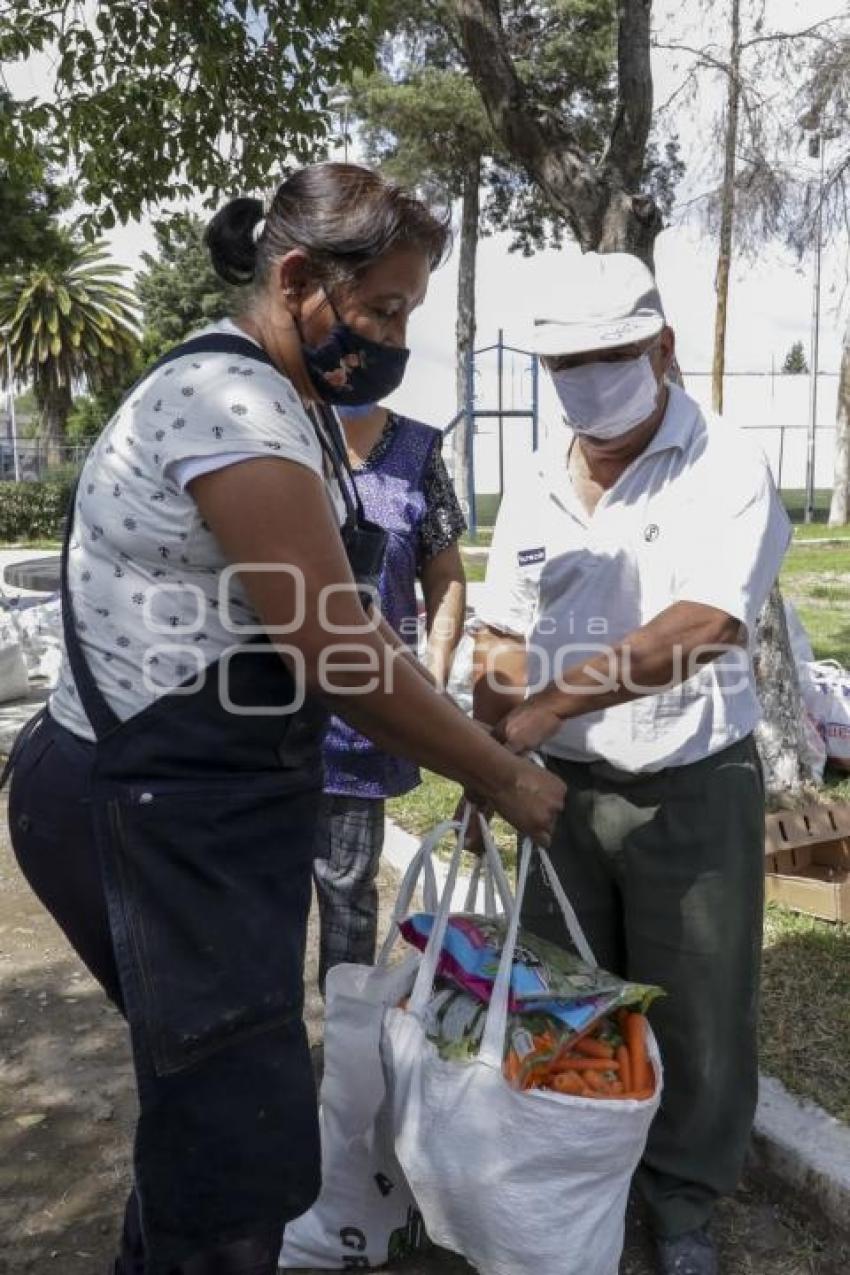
x: 781, y: 455
x: 535, y: 400
x: 813, y: 376
x: 500, y: 359
x: 12, y: 421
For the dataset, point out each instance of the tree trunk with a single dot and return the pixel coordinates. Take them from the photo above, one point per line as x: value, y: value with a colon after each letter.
x: 839, y: 509
x: 600, y: 200
x: 462, y: 453
x: 781, y: 733
x: 727, y: 210
x: 55, y: 405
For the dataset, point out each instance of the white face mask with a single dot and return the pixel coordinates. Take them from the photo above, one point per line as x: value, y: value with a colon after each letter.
x: 606, y: 400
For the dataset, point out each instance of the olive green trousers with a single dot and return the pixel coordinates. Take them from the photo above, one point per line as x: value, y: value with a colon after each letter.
x: 666, y: 873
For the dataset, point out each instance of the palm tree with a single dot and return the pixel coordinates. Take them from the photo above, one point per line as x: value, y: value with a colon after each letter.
x: 67, y: 321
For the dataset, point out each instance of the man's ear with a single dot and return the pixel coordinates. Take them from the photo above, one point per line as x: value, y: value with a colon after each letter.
x: 667, y: 349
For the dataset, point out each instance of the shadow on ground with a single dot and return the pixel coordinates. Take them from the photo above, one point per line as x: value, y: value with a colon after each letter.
x: 67, y: 1109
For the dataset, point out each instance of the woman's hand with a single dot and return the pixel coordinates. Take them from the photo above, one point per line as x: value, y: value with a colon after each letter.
x: 527, y: 726
x: 533, y: 802
x: 474, y: 842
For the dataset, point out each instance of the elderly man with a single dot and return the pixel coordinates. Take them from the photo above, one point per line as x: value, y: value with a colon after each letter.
x: 628, y: 567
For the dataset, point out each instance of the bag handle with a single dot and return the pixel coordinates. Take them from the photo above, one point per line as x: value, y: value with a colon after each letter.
x: 424, y: 984
x: 493, y: 1043
x: 489, y: 865
x: 422, y: 862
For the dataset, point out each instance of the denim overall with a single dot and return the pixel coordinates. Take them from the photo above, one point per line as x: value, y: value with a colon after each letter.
x: 204, y: 825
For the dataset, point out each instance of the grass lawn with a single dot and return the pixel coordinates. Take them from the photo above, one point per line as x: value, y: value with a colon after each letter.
x: 805, y: 1020
x: 476, y: 569
x: 482, y: 539
x: 794, y: 499
x: 435, y: 799
x: 819, y: 531
x: 816, y: 578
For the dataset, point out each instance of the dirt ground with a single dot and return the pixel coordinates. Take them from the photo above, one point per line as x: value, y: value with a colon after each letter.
x: 67, y: 1110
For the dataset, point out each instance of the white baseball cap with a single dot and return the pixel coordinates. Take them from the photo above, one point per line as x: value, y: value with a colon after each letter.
x: 605, y: 300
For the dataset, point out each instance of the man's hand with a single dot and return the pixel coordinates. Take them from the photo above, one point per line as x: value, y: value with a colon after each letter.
x: 527, y: 726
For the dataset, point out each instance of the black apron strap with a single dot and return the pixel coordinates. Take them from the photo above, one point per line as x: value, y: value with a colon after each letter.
x: 101, y: 716
x: 365, y: 541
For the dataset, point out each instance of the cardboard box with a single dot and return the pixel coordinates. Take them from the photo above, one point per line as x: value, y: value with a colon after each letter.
x: 807, y: 860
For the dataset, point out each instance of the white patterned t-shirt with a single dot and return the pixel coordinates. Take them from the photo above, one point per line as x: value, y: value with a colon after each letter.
x: 151, y: 604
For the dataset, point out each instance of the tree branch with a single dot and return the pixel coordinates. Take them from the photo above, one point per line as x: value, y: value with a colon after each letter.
x: 687, y: 83
x: 528, y: 134
x: 809, y: 33
x: 601, y: 203
x: 702, y: 55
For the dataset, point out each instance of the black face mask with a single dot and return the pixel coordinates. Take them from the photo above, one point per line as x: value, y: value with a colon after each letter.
x: 347, y: 368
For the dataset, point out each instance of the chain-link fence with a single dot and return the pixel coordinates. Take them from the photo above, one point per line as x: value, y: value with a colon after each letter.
x: 37, y: 461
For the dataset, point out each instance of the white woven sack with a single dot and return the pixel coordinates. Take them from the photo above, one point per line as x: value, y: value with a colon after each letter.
x: 365, y: 1214
x: 827, y: 697
x: 518, y: 1183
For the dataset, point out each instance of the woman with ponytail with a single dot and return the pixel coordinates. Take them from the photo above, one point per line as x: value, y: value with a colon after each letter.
x: 217, y: 580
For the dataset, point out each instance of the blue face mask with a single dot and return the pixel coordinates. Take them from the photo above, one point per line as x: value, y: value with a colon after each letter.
x: 349, y: 369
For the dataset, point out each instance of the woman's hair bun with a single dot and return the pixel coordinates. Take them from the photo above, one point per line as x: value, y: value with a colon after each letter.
x: 231, y: 240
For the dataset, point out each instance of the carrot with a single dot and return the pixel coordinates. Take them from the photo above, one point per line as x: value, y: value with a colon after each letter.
x: 640, y: 1095
x: 639, y: 1058
x: 512, y: 1066
x: 573, y: 1063
x: 625, y: 1067
x: 568, y: 1082
x: 593, y: 1048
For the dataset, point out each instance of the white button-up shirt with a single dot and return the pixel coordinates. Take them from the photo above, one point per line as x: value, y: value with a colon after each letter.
x: 695, y: 518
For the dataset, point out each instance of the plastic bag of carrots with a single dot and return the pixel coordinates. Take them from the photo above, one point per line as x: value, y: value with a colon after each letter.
x: 611, y: 1061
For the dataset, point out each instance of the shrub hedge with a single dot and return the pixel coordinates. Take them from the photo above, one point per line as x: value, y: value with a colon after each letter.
x: 35, y: 510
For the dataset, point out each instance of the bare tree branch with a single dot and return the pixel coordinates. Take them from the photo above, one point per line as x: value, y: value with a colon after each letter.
x: 687, y: 83
x: 809, y: 33
x: 704, y: 58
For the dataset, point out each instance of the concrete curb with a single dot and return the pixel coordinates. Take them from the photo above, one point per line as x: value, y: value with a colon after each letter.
x: 795, y: 1141
x: 807, y: 1149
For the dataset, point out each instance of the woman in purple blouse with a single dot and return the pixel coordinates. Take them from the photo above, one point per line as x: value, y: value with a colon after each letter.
x: 404, y: 487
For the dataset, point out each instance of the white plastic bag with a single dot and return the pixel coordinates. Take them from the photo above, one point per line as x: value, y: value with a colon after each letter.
x: 801, y: 646
x: 518, y: 1183
x: 365, y: 1214
x: 826, y: 694
x: 14, y: 679
x: 39, y: 626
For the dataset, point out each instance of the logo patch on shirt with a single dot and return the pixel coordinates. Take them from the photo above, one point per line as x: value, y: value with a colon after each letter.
x: 527, y: 557
x: 652, y: 532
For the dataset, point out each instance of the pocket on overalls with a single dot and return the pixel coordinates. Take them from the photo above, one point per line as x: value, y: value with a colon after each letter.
x: 30, y: 744
x: 212, y: 887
